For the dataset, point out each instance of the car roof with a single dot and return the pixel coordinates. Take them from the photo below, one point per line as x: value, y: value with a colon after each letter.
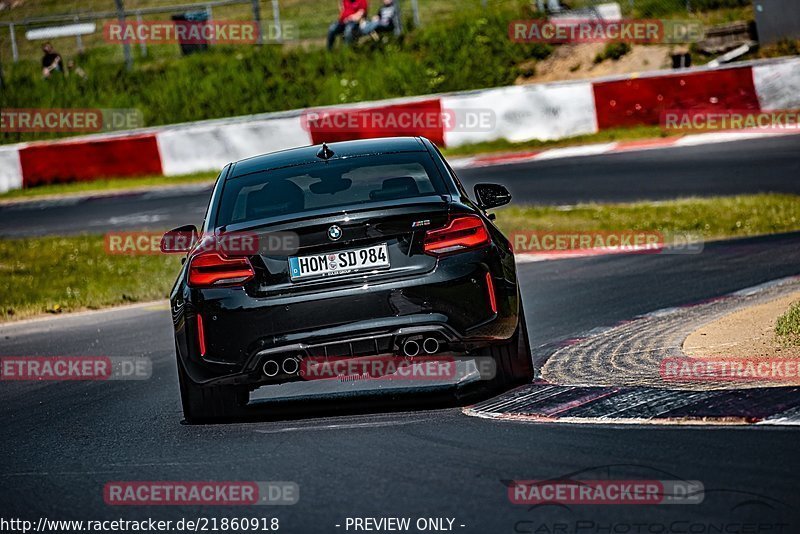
x: 308, y: 154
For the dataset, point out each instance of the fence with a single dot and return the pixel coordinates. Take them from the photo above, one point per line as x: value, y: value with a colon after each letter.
x: 21, y: 38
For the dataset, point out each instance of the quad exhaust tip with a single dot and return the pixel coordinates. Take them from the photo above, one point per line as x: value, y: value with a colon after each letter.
x: 431, y: 345
x: 290, y: 366
x: 410, y: 348
x: 271, y: 368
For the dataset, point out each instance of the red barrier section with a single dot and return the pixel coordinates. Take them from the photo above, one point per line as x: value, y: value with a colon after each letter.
x: 45, y: 163
x: 423, y: 118
x: 642, y: 100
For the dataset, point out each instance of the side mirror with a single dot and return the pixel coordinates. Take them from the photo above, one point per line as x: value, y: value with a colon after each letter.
x: 492, y: 195
x: 180, y: 240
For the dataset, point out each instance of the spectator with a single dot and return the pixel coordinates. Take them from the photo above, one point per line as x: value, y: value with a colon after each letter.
x: 350, y: 15
x: 74, y: 70
x: 51, y: 61
x: 384, y: 21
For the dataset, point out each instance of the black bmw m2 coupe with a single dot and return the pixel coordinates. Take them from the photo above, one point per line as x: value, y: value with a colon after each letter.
x: 357, y: 249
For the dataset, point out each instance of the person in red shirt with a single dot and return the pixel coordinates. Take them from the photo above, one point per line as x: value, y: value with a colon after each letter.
x: 350, y: 15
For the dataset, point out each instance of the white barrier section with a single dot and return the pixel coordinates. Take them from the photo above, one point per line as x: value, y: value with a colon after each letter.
x: 778, y: 85
x: 521, y: 113
x: 209, y: 147
x: 10, y: 169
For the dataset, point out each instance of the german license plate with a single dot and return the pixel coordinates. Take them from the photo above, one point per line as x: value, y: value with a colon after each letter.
x: 339, y: 263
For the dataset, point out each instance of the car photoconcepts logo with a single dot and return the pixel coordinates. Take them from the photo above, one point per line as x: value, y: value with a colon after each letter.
x: 569, y: 503
x: 335, y: 233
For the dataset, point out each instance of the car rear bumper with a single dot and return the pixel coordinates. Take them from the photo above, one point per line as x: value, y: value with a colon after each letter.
x: 451, y: 303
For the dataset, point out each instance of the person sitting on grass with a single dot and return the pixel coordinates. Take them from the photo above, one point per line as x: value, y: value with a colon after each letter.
x: 384, y: 21
x: 73, y: 69
x: 350, y: 15
x: 51, y: 61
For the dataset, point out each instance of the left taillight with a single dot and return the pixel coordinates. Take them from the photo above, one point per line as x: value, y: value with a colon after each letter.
x: 213, y: 270
x: 461, y: 233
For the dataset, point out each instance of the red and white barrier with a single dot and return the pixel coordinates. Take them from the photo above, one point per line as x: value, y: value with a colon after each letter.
x: 778, y: 85
x: 519, y: 113
x: 10, y: 169
x: 89, y: 159
x: 524, y: 112
x: 211, y: 146
x: 635, y: 101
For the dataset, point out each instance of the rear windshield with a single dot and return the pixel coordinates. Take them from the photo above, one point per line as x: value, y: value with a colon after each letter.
x: 321, y: 185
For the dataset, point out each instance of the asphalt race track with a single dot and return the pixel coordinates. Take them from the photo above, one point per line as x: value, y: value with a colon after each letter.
x: 63, y: 441
x: 752, y: 166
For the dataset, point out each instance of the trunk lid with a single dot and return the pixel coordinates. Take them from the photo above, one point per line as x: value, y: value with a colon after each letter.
x: 324, y: 240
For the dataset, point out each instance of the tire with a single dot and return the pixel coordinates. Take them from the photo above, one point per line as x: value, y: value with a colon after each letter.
x: 208, y: 404
x: 514, y: 359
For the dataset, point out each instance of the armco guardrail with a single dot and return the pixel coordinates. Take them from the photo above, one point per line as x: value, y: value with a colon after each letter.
x: 519, y: 113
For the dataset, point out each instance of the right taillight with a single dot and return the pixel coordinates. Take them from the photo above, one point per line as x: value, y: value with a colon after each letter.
x: 212, y: 269
x: 461, y: 233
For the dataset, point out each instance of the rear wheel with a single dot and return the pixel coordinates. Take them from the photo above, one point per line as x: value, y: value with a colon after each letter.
x: 513, y: 358
x: 206, y: 404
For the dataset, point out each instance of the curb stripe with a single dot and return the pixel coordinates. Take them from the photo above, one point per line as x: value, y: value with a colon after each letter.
x: 611, y: 148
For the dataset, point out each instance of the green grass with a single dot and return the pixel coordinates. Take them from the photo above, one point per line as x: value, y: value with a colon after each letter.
x: 787, y: 328
x: 55, y: 274
x: 110, y: 184
x: 712, y: 218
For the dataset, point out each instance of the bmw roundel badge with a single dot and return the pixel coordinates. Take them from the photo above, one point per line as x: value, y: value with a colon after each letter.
x: 335, y: 233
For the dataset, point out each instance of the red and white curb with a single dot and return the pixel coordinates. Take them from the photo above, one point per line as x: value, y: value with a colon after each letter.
x: 591, y: 399
x: 534, y: 257
x: 515, y: 158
